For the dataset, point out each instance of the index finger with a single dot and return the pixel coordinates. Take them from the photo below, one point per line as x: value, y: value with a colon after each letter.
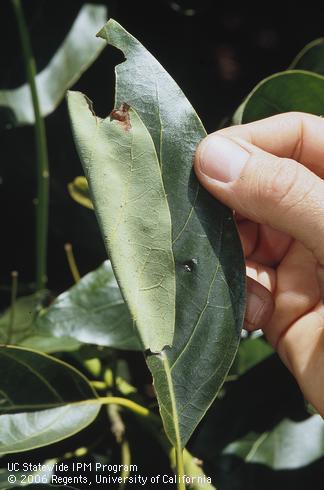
x: 295, y: 135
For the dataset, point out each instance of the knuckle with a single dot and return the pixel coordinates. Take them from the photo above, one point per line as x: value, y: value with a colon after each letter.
x: 280, y: 187
x: 281, y: 184
x: 288, y: 186
x: 297, y: 194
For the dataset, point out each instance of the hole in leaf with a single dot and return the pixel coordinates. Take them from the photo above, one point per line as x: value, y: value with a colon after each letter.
x: 189, y: 265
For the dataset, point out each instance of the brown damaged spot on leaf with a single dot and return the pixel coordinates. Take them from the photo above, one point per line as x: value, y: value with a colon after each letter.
x: 122, y: 116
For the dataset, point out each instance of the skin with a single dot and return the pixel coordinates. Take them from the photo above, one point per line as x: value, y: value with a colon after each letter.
x: 278, y: 200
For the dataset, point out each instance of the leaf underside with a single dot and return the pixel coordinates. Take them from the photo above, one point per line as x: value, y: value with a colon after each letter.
x: 210, y: 275
x: 209, y: 267
x: 123, y: 172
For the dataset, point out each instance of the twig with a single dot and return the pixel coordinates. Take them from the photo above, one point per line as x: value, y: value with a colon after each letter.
x: 41, y: 150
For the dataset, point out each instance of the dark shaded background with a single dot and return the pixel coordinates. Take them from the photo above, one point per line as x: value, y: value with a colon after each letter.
x: 216, y: 53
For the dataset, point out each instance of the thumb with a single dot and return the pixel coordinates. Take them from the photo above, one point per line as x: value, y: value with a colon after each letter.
x: 264, y: 188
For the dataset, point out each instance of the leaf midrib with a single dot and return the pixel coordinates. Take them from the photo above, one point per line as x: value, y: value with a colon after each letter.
x: 165, y: 362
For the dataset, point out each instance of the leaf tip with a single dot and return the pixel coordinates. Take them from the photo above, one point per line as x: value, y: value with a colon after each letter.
x: 103, y: 33
x: 75, y: 98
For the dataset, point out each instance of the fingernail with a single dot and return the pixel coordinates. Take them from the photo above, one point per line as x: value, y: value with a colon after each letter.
x: 221, y: 158
x: 254, y: 310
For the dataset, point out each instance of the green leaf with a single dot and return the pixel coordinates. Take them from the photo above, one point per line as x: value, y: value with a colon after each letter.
x: 50, y: 395
x: 93, y: 311
x: 311, y: 58
x: 25, y: 311
x: 30, y: 375
x: 79, y: 191
x: 123, y: 172
x: 23, y: 331
x: 47, y: 342
x: 210, y: 271
x: 26, y: 431
x: 289, y: 445
x: 77, y: 52
x: 294, y: 90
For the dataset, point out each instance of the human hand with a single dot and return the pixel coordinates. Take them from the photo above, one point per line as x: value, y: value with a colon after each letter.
x: 270, y: 172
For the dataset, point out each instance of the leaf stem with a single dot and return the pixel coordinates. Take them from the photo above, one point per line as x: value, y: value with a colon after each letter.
x: 41, y: 151
x: 14, y: 287
x: 177, y: 447
x: 124, y: 402
x: 180, y: 468
x: 126, y: 462
x: 72, y: 263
